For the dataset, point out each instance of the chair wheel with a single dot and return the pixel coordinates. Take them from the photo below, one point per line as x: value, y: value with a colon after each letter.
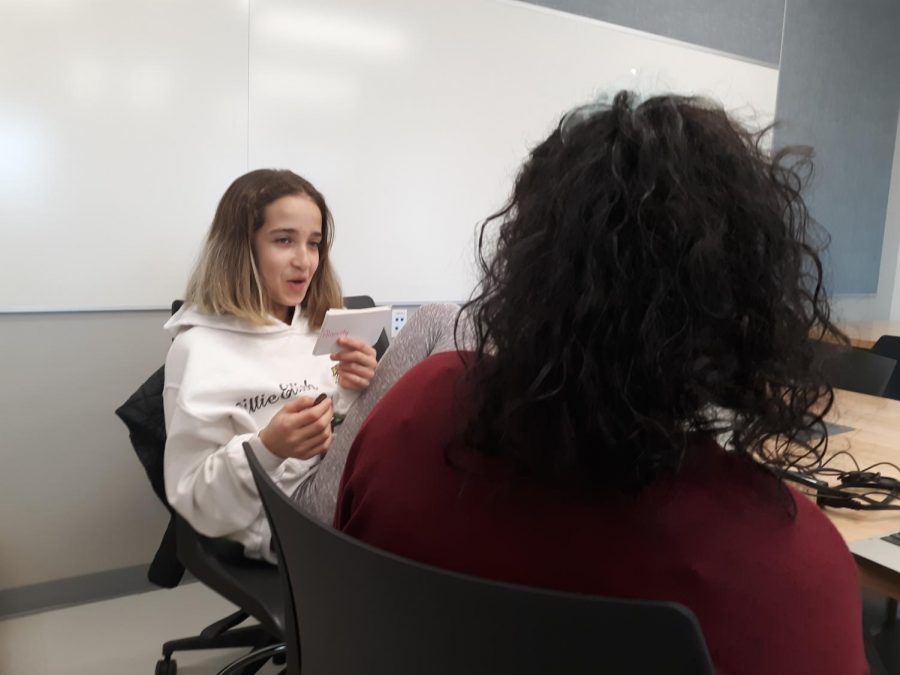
x: 166, y: 667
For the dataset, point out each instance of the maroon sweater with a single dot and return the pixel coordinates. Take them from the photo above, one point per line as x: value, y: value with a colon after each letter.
x: 774, y: 594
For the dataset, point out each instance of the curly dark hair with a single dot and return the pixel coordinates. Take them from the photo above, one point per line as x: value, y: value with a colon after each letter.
x: 654, y: 276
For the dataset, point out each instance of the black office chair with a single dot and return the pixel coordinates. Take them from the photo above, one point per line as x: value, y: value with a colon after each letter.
x: 854, y: 369
x: 356, y: 610
x: 253, y: 586
x: 889, y: 347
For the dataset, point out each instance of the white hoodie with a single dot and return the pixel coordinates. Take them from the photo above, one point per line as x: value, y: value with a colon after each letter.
x: 225, y: 379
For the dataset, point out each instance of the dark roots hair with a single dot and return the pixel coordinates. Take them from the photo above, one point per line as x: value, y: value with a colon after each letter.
x: 654, y: 277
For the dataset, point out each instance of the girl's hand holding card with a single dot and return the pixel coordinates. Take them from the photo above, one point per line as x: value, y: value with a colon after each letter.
x: 356, y: 363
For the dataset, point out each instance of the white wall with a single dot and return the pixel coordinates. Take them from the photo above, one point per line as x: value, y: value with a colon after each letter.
x: 119, y: 122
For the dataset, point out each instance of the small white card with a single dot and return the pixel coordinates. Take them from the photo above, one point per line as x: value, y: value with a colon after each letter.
x: 362, y: 324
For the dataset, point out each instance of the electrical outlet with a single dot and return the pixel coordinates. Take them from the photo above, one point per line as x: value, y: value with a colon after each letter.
x: 398, y: 320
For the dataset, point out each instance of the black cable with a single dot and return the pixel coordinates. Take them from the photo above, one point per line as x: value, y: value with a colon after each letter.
x: 872, y: 466
x: 846, y: 502
x: 863, y: 479
x: 838, y: 497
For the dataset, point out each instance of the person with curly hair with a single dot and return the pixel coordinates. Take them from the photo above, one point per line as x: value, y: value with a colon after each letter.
x: 650, y: 287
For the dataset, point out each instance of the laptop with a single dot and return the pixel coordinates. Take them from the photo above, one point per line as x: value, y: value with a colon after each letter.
x: 832, y: 429
x: 884, y: 551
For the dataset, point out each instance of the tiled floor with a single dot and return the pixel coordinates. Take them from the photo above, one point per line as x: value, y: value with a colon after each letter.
x: 116, y: 637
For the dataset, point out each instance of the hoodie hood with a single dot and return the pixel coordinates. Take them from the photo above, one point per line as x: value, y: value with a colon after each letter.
x: 189, y: 316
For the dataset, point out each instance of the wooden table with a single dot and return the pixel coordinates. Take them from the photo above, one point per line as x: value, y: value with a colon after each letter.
x: 875, y: 438
x: 865, y: 333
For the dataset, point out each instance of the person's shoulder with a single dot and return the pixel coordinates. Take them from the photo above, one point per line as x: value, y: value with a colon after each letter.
x: 183, y: 348
x: 822, y: 578
x: 435, y: 376
x: 783, y: 525
x: 811, y: 554
x: 793, y: 560
x: 449, y: 365
x: 421, y: 398
x: 198, y: 344
x: 818, y: 532
x: 190, y: 339
x: 401, y: 441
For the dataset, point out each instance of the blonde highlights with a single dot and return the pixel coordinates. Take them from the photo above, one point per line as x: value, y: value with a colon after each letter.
x: 226, y: 279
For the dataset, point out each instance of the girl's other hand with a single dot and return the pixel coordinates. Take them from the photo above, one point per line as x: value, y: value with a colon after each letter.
x: 356, y: 363
x: 301, y: 429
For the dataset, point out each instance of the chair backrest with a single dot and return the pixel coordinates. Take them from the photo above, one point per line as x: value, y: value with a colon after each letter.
x: 358, y: 610
x: 855, y: 369
x: 889, y: 346
x: 143, y: 414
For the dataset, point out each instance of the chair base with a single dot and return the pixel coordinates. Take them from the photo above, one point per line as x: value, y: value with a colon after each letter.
x: 220, y: 635
x: 257, y: 658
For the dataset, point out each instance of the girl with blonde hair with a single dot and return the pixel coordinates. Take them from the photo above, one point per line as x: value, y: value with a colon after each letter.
x: 241, y: 368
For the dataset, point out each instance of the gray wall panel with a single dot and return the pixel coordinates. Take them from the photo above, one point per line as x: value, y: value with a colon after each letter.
x: 839, y: 91
x: 747, y: 28
x: 73, y: 495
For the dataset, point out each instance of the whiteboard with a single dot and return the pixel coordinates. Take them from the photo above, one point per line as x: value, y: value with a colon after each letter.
x: 121, y: 124
x: 411, y: 116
